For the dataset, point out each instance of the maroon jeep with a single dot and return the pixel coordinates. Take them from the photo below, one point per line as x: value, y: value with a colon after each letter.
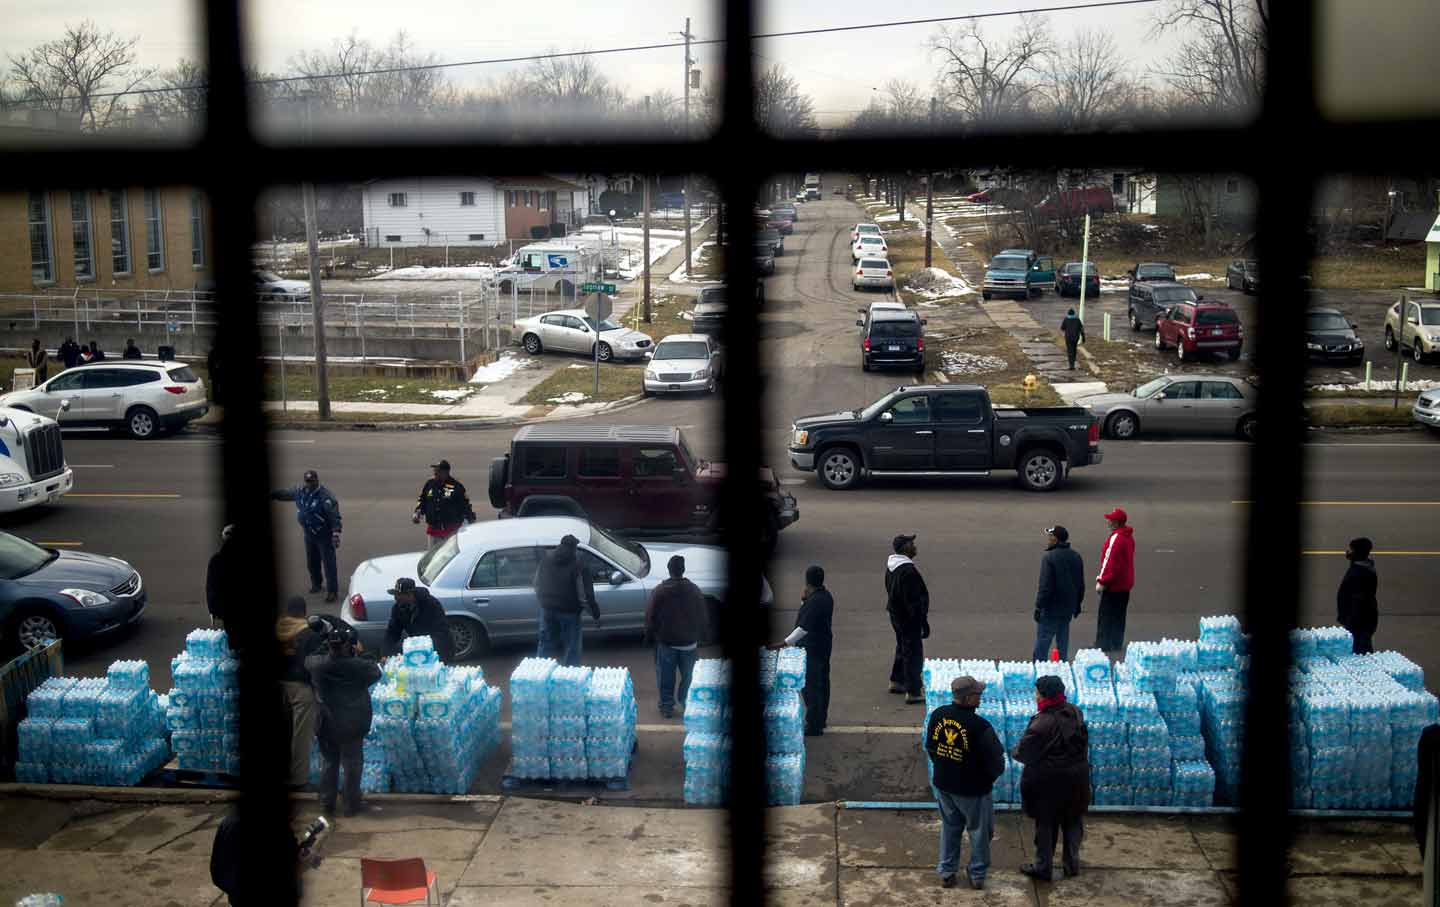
x: 639, y: 480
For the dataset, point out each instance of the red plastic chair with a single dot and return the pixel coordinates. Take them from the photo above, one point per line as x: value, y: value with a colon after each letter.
x: 397, y: 882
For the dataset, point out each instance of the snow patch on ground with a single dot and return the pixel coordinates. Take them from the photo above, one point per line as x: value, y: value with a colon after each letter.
x: 454, y: 395
x: 454, y: 272
x: 937, y: 283
x: 502, y: 368
x: 1200, y: 276
x: 569, y: 397
x: 962, y: 363
x: 1414, y: 384
x: 678, y: 275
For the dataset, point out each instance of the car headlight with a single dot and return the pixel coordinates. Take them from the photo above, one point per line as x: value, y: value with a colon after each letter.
x: 1313, y: 346
x: 85, y: 598
x: 11, y: 478
x: 650, y: 373
x: 703, y: 373
x: 802, y: 437
x: 1435, y: 338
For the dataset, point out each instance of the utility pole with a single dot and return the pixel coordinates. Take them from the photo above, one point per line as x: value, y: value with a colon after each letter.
x: 685, y: 189
x: 930, y: 193
x: 645, y: 241
x: 317, y: 301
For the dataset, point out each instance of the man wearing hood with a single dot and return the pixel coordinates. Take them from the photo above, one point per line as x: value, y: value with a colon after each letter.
x: 1117, y: 577
x: 1055, y: 785
x: 1356, y: 608
x: 418, y: 613
x: 1074, y: 330
x: 222, y: 575
x: 563, y: 591
x: 1062, y: 589
x: 908, y: 603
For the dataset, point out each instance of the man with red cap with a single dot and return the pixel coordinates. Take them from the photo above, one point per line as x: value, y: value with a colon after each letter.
x: 1117, y: 577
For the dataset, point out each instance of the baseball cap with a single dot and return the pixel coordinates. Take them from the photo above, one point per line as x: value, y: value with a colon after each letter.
x: 815, y: 575
x: 443, y: 464
x: 966, y: 685
x: 403, y: 584
x: 900, y: 541
x: 1060, y: 532
x: 311, y: 475
x: 1118, y: 514
x: 1049, y: 686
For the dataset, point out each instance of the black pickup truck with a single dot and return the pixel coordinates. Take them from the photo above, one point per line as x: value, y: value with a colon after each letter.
x: 942, y: 430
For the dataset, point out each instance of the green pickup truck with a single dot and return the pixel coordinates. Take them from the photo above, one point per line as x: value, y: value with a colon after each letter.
x: 1020, y: 273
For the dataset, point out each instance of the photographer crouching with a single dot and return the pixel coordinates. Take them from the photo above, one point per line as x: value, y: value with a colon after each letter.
x: 225, y: 854
x: 342, y: 676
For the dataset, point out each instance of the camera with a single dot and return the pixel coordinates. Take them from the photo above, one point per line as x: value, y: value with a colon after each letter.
x: 310, y: 841
x: 337, y: 634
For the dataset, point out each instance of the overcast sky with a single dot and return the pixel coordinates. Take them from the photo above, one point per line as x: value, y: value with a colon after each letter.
x: 839, y: 71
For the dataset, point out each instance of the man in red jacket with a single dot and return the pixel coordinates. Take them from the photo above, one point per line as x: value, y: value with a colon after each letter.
x: 1117, y: 577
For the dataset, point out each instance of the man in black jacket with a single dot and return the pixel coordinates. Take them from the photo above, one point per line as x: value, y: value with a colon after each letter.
x: 418, y: 613
x: 674, y: 620
x: 342, y: 678
x: 561, y: 587
x: 813, y: 633
x: 908, y: 603
x: 1062, y: 589
x: 1055, y: 785
x: 968, y: 757
x: 1356, y: 608
x: 443, y: 503
x: 69, y: 352
x: 221, y: 579
x: 1074, y: 330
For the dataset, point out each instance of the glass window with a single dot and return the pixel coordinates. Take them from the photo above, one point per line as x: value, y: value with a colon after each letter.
x: 600, y: 462
x: 19, y: 557
x: 1219, y: 390
x: 70, y: 381
x: 134, y: 377
x: 1217, y: 316
x: 506, y: 569
x: 42, y: 263
x: 651, y: 463
x: 682, y: 349
x: 397, y: 199
x: 119, y: 231
x: 911, y: 410
x: 895, y: 329
x: 467, y: 199
x: 80, y: 235
x: 1172, y: 294
x: 183, y: 374
x: 595, y: 567
x: 483, y: 577
x: 197, y: 230
x: 1430, y: 315
x: 958, y: 408
x: 1150, y: 387
x: 1182, y: 390
x: 154, y: 232
x: 434, y: 561
x: 631, y: 556
x: 543, y: 463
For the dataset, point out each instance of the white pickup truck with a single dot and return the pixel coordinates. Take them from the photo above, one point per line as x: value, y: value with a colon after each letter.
x: 32, y: 460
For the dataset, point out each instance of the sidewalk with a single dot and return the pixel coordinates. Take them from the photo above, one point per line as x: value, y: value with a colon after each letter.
x: 144, y: 848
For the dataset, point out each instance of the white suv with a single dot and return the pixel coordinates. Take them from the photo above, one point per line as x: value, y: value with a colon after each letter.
x: 143, y: 398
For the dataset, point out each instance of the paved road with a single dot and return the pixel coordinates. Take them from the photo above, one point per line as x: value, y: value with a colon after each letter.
x: 980, y: 540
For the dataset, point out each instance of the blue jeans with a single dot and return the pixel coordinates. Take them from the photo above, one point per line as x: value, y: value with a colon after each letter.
x: 1047, y: 628
x: 667, y: 660
x: 958, y: 813
x: 320, y: 550
x: 560, y: 637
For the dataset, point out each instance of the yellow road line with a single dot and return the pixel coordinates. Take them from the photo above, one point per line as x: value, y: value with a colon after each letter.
x: 1360, y: 503
x: 60, y: 544
x: 1374, y: 553
x: 108, y: 494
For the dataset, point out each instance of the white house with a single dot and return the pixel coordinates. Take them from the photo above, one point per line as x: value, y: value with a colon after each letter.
x: 423, y: 211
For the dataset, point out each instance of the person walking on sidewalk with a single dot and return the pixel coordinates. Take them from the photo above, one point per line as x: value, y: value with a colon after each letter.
x: 1062, y: 589
x: 1116, y: 579
x: 813, y: 633
x: 908, y: 603
x: 1055, y: 785
x: 298, y: 641
x: 1074, y: 330
x: 968, y: 757
x: 1356, y: 608
x: 563, y: 590
x: 674, y: 620
x: 418, y: 613
x: 342, y: 676
x: 318, y: 513
x: 444, y: 505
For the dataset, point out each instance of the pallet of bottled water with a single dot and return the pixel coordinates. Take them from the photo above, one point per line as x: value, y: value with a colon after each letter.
x: 46, y: 899
x: 571, y: 723
x: 203, y: 709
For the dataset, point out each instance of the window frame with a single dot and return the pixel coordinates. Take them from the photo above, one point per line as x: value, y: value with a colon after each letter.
x: 467, y: 199
x: 399, y: 199
x: 82, y: 230
x: 197, y: 230
x: 46, y: 227
x: 153, y: 208
x: 120, y: 232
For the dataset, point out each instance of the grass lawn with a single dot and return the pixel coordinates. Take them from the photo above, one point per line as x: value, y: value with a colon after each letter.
x: 353, y: 418
x: 907, y: 256
x: 989, y: 356
x: 577, y: 385
x: 1361, y: 268
x: 1380, y: 413
x: 364, y: 388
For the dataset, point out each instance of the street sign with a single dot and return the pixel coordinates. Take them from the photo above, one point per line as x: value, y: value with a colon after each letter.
x: 598, y: 288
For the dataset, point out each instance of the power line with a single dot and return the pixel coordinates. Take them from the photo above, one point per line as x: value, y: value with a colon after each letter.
x: 634, y: 48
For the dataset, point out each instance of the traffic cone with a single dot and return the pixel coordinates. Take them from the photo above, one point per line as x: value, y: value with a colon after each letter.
x: 1054, y: 652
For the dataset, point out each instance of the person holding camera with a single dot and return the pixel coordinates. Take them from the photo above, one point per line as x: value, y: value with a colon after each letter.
x: 342, y: 676
x: 418, y: 613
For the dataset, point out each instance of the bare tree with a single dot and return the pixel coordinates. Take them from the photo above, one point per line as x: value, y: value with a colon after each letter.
x: 1221, y: 64
x: 904, y: 101
x: 71, y: 73
x: 571, y: 83
x: 991, y: 80
x: 780, y: 107
x: 353, y: 77
x: 1086, y: 81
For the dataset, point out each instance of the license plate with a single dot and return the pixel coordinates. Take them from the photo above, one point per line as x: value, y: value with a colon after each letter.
x: 1217, y: 332
x: 892, y: 348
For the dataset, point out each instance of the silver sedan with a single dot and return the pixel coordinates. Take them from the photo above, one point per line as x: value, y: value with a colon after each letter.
x: 1189, y: 404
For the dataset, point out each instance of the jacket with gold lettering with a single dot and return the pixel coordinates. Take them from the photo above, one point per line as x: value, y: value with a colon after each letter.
x: 965, y: 750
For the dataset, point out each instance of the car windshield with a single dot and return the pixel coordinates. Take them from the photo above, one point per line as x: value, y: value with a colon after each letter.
x: 1252, y: 267
x: 266, y: 276
x: 878, y: 406
x: 606, y: 325
x: 1154, y: 271
x: 1430, y: 315
x: 434, y: 561
x: 682, y: 349
x: 1008, y: 263
x: 631, y: 556
x: 712, y: 294
x: 19, y: 557
x: 871, y: 241
x: 1216, y: 316
x: 868, y: 228
x: 894, y: 329
x: 1150, y: 387
x: 183, y: 374
x: 1175, y: 294
x: 875, y: 263
x: 1074, y: 268
x: 1325, y: 321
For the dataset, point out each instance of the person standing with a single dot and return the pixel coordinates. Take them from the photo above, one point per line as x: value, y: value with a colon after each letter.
x: 39, y: 360
x: 1426, y: 805
x: 1116, y: 579
x: 443, y: 503
x: 298, y: 641
x: 967, y: 756
x: 96, y: 354
x: 1074, y: 330
x: 221, y: 578
x: 1356, y: 608
x: 813, y: 633
x: 562, y: 589
x: 418, y: 613
x: 908, y: 603
x: 318, y: 513
x: 1055, y: 785
x: 1062, y: 589
x: 131, y: 350
x: 342, y: 677
x: 674, y: 620
x: 69, y: 352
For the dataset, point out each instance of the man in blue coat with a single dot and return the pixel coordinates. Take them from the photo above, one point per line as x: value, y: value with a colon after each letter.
x: 318, y: 513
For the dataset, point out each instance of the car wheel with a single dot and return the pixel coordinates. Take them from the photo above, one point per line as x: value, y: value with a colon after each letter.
x: 839, y: 469
x: 532, y: 344
x: 142, y: 423
x: 1040, y: 470
x: 1417, y: 352
x: 1389, y: 339
x: 1229, y: 282
x: 1246, y: 428
x: 1122, y: 426
x: 605, y: 354
x: 1159, y: 343
x: 864, y: 364
x: 33, y: 627
x: 1180, y: 350
x: 467, y: 637
x: 1233, y: 354
x: 985, y: 294
x: 1134, y: 321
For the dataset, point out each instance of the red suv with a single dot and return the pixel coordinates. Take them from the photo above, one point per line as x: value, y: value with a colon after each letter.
x: 1200, y: 327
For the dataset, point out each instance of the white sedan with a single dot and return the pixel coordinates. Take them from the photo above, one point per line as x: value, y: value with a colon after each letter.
x: 873, y: 273
x: 683, y: 362
x: 574, y: 331
x: 869, y: 247
x: 864, y: 230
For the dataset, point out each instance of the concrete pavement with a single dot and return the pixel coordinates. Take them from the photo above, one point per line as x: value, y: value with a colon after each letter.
x: 517, y: 851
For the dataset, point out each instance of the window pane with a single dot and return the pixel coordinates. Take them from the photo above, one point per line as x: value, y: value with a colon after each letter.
x: 600, y: 462
x: 154, y: 234
x: 42, y: 264
x: 80, y: 233
x: 197, y: 230
x: 119, y: 232
x: 544, y: 463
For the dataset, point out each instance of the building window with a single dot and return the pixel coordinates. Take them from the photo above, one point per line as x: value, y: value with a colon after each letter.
x: 154, y: 233
x: 197, y: 231
x: 1232, y: 186
x: 476, y: 236
x: 80, y: 235
x: 525, y: 198
x: 392, y: 237
x: 509, y: 199
x: 467, y: 199
x: 119, y: 232
x: 42, y: 264
x: 397, y: 199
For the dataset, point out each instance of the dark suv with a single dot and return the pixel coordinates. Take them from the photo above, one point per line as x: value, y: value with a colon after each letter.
x: 891, y: 337
x: 1147, y: 271
x: 1148, y: 301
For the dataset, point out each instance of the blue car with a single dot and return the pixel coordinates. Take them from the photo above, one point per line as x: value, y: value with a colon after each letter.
x: 50, y: 594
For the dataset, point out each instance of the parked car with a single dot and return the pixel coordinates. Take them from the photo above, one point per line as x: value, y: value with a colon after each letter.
x: 574, y: 331
x: 788, y: 212
x: 270, y: 286
x: 1243, y: 274
x: 1206, y: 404
x: 780, y: 223
x: 143, y: 397
x: 1200, y: 327
x: 1426, y: 408
x: 484, y: 574
x: 683, y: 363
x: 47, y: 593
x: 1147, y: 301
x: 774, y: 238
x: 944, y: 430
x: 1019, y: 273
x: 864, y: 230
x: 1152, y: 271
x: 1076, y: 202
x: 1067, y: 281
x: 1418, y: 331
x: 892, y: 337
x: 764, y: 256
x: 1331, y: 337
x: 873, y: 273
x: 979, y: 198
x: 869, y: 246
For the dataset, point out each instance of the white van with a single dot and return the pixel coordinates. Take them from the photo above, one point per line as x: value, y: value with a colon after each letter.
x: 555, y: 267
